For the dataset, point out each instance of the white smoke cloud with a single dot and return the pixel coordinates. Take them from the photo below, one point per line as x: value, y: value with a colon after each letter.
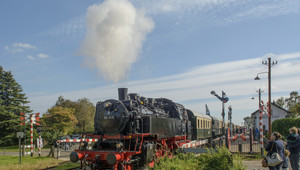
x: 115, y: 32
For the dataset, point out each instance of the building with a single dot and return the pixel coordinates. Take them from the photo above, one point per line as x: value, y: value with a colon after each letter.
x: 277, y: 113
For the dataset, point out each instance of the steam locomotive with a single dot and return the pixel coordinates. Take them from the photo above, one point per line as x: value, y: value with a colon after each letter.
x: 135, y: 131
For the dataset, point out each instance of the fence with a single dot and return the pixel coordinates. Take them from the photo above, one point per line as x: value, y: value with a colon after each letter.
x: 244, y: 143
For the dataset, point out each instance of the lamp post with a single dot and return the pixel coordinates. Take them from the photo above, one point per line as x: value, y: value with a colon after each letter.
x: 270, y: 64
x: 259, y: 101
x: 223, y: 99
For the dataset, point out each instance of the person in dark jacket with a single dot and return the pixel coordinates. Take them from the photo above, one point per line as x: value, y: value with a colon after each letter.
x: 277, y: 147
x: 293, y: 146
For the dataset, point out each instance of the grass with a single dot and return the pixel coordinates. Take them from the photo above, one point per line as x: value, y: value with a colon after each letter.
x: 15, y: 148
x: 12, y: 162
x: 249, y: 157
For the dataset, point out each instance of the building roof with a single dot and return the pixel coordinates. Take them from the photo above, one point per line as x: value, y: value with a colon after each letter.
x: 274, y: 104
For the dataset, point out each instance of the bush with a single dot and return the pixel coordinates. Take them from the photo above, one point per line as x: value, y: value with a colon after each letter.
x: 283, y: 125
x: 221, y: 159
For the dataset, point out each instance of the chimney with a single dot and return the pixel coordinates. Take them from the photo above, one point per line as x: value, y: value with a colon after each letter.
x: 123, y: 93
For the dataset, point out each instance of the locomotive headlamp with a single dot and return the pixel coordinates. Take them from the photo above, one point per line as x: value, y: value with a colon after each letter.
x: 119, y: 145
x: 107, y: 104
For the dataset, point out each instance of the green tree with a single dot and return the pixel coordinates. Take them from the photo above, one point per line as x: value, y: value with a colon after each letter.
x: 249, y: 121
x: 292, y: 100
x: 84, y: 112
x: 12, y: 102
x: 59, y: 119
x: 280, y: 102
x: 291, y: 103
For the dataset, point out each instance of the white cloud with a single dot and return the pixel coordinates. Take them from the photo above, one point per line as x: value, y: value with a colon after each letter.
x: 74, y: 27
x: 30, y: 57
x: 23, y: 45
x: 19, y: 47
x: 42, y: 55
x: 192, y: 88
x: 220, y: 11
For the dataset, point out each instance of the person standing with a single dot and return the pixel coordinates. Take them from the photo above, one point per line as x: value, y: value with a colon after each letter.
x: 293, y: 145
x: 275, y: 145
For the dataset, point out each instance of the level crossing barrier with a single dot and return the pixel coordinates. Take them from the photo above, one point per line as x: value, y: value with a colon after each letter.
x: 58, y: 142
x: 24, y: 150
x: 240, y: 142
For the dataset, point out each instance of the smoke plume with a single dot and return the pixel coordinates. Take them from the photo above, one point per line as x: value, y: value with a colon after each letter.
x: 115, y: 32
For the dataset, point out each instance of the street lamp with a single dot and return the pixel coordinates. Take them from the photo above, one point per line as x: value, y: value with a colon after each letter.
x: 270, y: 64
x: 223, y: 99
x: 257, y: 78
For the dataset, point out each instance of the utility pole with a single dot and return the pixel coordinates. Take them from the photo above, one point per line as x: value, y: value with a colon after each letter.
x: 270, y: 64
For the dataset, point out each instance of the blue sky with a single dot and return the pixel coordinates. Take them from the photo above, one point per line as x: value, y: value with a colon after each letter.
x: 189, y: 49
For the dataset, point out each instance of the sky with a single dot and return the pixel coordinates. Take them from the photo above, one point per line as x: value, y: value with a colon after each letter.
x: 177, y: 49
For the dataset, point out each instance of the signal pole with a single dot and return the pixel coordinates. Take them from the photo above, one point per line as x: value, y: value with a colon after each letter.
x: 223, y: 99
x: 230, y: 118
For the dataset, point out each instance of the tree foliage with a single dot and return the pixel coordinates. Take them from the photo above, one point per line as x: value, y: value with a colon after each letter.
x: 291, y: 103
x: 12, y: 102
x: 249, y: 121
x: 84, y: 112
x: 59, y: 120
x: 283, y: 125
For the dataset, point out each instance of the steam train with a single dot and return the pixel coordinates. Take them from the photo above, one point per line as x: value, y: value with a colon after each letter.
x: 135, y: 131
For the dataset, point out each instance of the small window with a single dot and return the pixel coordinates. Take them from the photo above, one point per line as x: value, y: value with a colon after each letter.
x: 201, y: 124
x: 198, y: 124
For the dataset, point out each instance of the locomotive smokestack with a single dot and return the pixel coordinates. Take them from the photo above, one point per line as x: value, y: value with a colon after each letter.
x: 123, y: 93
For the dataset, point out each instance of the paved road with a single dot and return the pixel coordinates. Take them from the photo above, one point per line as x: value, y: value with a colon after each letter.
x: 254, y: 165
x: 64, y: 155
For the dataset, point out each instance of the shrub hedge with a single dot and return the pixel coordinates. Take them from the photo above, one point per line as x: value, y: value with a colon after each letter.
x: 221, y: 159
x: 283, y: 125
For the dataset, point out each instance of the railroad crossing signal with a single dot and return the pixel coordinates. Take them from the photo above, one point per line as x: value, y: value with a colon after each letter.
x: 36, y: 119
x: 22, y: 118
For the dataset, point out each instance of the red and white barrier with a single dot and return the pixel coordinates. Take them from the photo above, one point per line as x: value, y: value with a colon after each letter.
x: 194, y: 143
x: 24, y: 147
x: 242, y: 136
x: 77, y: 140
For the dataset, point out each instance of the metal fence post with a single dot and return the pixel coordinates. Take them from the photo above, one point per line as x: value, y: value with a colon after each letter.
x: 251, y: 139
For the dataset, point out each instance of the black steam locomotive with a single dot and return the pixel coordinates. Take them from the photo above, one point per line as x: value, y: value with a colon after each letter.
x: 132, y: 114
x: 134, y: 131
